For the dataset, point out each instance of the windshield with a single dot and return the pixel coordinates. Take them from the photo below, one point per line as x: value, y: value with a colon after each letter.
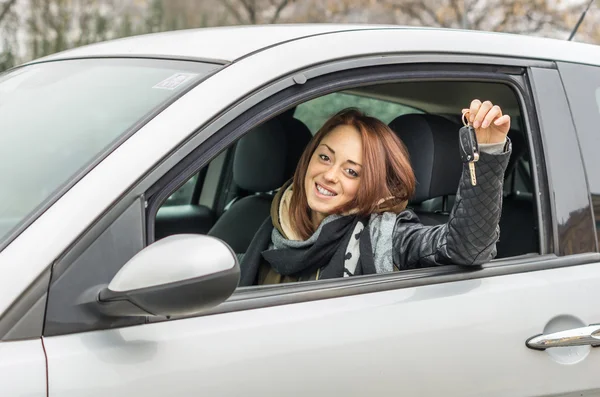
x: 58, y: 117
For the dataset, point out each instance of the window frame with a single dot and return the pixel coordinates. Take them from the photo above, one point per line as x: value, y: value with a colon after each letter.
x: 189, y: 199
x: 264, y: 296
x: 277, y: 103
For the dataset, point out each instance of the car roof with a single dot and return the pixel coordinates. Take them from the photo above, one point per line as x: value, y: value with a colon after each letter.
x: 228, y: 44
x: 221, y: 44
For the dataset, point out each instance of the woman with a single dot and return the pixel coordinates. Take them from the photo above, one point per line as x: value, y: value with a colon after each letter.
x: 343, y: 214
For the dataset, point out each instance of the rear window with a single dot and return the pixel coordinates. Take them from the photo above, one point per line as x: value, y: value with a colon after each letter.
x: 56, y: 118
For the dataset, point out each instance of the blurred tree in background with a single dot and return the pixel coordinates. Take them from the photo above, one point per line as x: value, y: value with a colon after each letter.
x: 33, y: 28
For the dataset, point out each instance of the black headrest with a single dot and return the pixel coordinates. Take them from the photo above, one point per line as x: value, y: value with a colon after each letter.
x: 298, y: 136
x: 432, y: 142
x: 259, y: 163
x: 519, y: 149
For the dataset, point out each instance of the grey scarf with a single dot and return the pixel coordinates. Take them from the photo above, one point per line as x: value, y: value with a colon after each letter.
x: 352, y: 249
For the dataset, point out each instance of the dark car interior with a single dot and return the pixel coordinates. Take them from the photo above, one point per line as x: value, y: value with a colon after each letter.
x: 231, y: 197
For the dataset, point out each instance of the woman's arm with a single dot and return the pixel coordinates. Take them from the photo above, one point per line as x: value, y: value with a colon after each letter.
x: 470, y: 235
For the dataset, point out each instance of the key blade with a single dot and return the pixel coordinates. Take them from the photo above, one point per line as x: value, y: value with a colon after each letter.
x: 472, y: 172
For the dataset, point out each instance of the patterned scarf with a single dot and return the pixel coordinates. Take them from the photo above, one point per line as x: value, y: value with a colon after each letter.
x: 340, y: 247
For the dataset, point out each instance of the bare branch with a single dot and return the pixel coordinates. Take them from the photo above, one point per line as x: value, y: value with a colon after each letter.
x: 458, y: 10
x: 538, y: 24
x: 432, y: 15
x: 234, y: 11
x: 477, y: 23
x: 410, y: 9
x: 7, y: 8
x: 250, y: 6
x: 280, y: 8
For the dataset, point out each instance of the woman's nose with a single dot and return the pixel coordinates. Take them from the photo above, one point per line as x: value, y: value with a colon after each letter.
x: 331, y: 174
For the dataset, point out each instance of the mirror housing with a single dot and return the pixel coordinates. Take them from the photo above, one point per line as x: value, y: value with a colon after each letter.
x: 176, y: 276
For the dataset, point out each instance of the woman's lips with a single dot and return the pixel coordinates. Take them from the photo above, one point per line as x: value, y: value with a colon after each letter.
x: 324, y: 192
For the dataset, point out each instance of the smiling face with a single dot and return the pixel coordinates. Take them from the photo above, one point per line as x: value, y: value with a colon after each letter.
x: 334, y: 172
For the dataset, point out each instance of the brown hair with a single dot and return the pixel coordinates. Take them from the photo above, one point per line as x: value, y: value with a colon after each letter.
x: 387, y: 179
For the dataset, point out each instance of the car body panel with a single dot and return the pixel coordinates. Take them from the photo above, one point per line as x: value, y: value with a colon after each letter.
x: 23, y: 369
x: 427, y: 341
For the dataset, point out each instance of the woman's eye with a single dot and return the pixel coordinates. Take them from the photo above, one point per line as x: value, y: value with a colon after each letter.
x: 352, y: 173
x: 324, y: 157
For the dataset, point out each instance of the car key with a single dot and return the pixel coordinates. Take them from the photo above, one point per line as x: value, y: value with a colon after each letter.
x: 469, y: 148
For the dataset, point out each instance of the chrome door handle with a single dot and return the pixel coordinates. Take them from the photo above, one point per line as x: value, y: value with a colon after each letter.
x: 589, y: 335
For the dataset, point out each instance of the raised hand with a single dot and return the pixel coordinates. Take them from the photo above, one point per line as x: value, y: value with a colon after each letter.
x: 491, y: 126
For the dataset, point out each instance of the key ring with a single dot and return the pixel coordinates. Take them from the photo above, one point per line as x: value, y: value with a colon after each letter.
x: 466, y: 122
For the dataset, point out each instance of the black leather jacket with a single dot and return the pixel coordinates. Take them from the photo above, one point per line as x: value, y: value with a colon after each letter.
x: 470, y: 235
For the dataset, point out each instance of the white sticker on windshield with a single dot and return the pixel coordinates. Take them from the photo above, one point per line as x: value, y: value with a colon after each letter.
x: 175, y: 81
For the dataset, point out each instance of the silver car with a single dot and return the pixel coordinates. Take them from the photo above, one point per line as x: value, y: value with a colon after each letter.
x: 135, y: 172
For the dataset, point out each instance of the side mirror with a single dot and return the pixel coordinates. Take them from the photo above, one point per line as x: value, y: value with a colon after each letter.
x: 178, y: 275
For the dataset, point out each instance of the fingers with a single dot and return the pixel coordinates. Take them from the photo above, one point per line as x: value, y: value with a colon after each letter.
x: 481, y: 113
x: 475, y: 104
x: 502, y: 120
x: 494, y: 113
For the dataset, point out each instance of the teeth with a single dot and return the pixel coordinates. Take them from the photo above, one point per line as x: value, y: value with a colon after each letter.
x: 324, y: 191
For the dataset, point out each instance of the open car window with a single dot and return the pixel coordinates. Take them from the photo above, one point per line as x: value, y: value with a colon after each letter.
x: 299, y: 124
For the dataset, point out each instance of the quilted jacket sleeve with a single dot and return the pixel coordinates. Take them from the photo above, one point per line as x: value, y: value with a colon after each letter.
x: 470, y: 235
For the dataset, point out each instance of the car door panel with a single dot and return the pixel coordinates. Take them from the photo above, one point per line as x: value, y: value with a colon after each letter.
x: 22, y: 369
x: 464, y: 338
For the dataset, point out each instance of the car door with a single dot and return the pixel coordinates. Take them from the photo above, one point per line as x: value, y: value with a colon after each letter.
x: 425, y: 332
x: 23, y: 368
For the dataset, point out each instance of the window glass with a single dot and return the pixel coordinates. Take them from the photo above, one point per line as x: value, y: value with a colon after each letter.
x: 582, y: 84
x: 315, y: 113
x: 523, y: 177
x: 519, y: 180
x: 184, y: 194
x: 182, y: 213
x: 58, y: 117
